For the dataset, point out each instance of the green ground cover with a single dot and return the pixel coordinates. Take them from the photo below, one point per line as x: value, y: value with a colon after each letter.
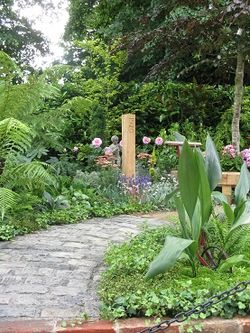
x: 125, y: 292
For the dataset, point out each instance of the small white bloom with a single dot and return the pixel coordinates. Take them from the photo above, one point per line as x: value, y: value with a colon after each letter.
x: 239, y: 32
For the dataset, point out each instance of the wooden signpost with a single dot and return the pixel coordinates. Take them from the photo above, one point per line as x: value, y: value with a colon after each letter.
x: 128, y: 145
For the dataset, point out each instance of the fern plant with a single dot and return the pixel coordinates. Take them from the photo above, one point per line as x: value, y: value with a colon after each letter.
x: 20, y: 100
x: 8, y: 199
x: 34, y: 175
x: 15, y: 137
x: 23, y: 98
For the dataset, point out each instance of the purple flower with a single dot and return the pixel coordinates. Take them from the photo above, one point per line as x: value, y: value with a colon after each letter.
x: 246, y: 156
x: 146, y: 140
x: 97, y: 142
x: 75, y: 149
x: 158, y: 141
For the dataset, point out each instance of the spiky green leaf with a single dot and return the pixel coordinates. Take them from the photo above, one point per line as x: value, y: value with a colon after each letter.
x: 171, y: 251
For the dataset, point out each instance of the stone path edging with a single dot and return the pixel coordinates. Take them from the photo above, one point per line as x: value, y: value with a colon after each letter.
x: 134, y: 325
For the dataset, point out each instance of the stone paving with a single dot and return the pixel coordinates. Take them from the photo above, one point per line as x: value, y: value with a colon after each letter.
x: 53, y: 274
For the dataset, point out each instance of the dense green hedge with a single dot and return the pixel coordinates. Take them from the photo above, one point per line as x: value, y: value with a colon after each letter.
x: 195, y: 108
x: 160, y: 104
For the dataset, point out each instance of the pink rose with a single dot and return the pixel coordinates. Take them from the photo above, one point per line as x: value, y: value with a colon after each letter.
x: 97, y: 142
x: 158, y: 141
x: 146, y: 140
x: 229, y: 150
x: 120, y: 143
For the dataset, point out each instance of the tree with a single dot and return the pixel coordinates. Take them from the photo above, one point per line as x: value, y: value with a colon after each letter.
x: 239, y: 16
x: 184, y: 40
x: 17, y: 37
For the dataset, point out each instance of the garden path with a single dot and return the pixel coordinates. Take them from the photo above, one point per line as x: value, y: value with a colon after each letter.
x: 54, y: 273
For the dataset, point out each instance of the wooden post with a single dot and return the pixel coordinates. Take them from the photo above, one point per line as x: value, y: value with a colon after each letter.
x: 128, y: 145
x: 229, y: 180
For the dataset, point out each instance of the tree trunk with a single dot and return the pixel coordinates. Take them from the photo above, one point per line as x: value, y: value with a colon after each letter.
x: 238, y: 92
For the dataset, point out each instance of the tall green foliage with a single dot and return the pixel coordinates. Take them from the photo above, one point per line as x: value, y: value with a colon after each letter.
x: 19, y: 100
x: 89, y: 92
x: 179, y: 40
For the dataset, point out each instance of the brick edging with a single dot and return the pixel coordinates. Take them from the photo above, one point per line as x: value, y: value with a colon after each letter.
x: 133, y: 325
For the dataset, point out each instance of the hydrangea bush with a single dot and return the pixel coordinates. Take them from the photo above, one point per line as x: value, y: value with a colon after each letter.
x: 231, y: 161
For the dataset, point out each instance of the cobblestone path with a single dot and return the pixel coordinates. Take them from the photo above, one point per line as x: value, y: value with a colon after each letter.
x: 54, y: 273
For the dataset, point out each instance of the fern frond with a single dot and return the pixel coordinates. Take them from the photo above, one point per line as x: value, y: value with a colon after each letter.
x: 239, y: 240
x: 22, y: 99
x: 34, y: 173
x: 15, y: 136
x: 8, y: 199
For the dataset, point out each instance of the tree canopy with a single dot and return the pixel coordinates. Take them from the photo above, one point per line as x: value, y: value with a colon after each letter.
x: 17, y: 37
x: 184, y: 40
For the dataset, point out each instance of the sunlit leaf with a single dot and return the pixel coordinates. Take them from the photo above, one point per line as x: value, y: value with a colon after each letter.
x: 212, y: 164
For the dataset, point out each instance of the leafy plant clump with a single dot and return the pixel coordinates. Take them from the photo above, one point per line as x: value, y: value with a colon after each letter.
x: 198, y: 177
x: 125, y: 292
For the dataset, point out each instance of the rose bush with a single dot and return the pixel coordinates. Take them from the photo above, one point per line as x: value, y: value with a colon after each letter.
x: 231, y: 161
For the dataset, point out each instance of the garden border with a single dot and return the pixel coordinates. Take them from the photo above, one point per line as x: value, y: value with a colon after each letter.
x: 133, y: 325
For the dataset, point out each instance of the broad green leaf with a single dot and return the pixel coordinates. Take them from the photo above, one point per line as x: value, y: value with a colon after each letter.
x: 243, y: 186
x: 212, y: 164
x: 196, y: 222
x: 188, y: 176
x: 170, y: 252
x: 244, y: 219
x: 204, y: 190
x: 185, y: 225
x: 228, y: 212
x: 192, y: 251
x: 233, y: 261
